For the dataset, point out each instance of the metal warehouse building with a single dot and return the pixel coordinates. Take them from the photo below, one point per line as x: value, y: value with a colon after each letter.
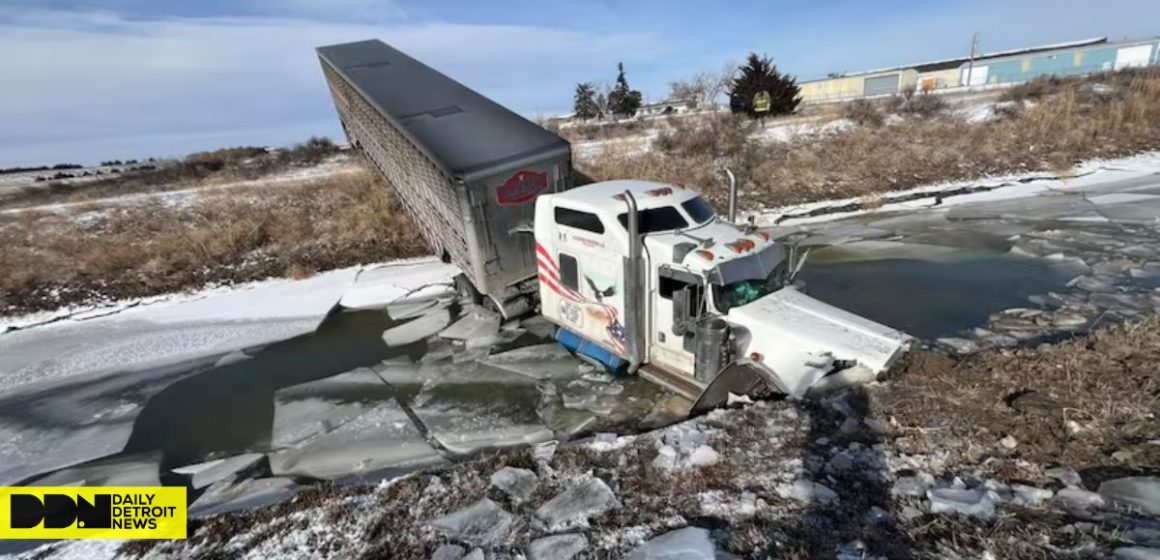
x: 992, y: 69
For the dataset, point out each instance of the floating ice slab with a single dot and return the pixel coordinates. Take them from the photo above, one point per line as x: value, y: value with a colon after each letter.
x: 133, y: 470
x: 413, y: 331
x: 475, y: 324
x: 210, y: 472
x: 392, y: 283
x: 305, y: 411
x: 541, y: 361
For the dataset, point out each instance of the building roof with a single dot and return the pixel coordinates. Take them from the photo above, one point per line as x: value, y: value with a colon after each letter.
x: 950, y: 63
x: 467, y: 134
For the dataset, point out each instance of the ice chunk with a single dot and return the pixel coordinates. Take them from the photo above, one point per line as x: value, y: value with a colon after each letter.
x: 1141, y: 492
x: 912, y: 486
x: 378, y: 286
x: 517, y: 483
x: 975, y: 503
x: 1136, y: 553
x: 475, y: 324
x: 666, y: 458
x: 541, y: 361
x: 545, y: 451
x: 226, y: 495
x: 119, y: 470
x: 204, y: 474
x: 1065, y: 475
x: 704, y: 456
x: 557, y: 547
x: 305, y: 411
x: 804, y: 490
x: 475, y: 554
x: 417, y: 329
x: 690, y: 543
x: 1078, y: 498
x: 574, y: 506
x: 483, y: 523
x: 449, y: 552
x: 1030, y: 495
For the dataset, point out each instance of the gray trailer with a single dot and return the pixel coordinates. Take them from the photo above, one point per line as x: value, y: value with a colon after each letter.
x: 466, y: 169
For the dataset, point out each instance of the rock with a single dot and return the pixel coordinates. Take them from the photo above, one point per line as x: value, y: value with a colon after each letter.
x: 449, y: 552
x: 877, y: 427
x: 1136, y: 553
x: 483, y: 523
x: 704, y: 456
x: 1030, y: 495
x: 517, y: 483
x: 576, y: 505
x: 973, y: 503
x: 840, y: 462
x: 666, y: 458
x: 690, y: 543
x: 1066, y: 475
x: 804, y: 490
x: 557, y: 547
x: 1078, y: 498
x: 850, y: 426
x: 1141, y: 492
x: 1008, y: 442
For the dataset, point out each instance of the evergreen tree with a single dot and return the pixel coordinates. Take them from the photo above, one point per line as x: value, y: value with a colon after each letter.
x: 585, y: 105
x: 760, y: 74
x: 623, y: 101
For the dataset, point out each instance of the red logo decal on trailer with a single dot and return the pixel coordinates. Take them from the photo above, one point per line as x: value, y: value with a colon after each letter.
x: 522, y: 187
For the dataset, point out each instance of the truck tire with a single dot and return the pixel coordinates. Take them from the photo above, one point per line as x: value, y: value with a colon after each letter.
x: 467, y: 290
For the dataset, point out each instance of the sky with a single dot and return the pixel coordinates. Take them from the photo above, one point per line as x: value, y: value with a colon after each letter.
x: 88, y: 80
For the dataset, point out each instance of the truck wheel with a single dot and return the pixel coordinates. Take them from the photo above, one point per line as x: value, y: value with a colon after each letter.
x: 467, y: 290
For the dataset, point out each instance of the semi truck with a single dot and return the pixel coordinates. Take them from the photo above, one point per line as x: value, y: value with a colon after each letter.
x: 637, y: 276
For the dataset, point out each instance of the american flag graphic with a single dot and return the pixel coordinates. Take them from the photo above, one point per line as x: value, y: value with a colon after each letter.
x: 549, y: 275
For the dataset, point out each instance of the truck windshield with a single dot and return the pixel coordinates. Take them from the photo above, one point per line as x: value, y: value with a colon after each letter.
x: 698, y: 209
x: 662, y: 218
x: 741, y: 292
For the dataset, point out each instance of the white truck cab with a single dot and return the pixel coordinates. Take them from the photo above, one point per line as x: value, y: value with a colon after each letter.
x: 711, y: 294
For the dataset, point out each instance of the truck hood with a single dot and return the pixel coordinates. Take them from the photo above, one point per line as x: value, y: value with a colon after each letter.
x: 799, y: 339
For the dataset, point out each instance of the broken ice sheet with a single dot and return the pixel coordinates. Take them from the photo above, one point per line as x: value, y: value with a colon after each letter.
x: 466, y: 418
x: 204, y: 474
x: 541, y: 361
x: 227, y: 495
x: 414, y: 330
x: 305, y: 411
x: 381, y: 438
x: 475, y: 323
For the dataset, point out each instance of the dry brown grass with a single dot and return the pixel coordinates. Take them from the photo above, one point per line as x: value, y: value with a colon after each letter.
x: 1104, y: 385
x: 1074, y: 124
x: 108, y: 250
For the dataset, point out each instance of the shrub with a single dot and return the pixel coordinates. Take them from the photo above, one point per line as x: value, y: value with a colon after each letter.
x: 864, y: 112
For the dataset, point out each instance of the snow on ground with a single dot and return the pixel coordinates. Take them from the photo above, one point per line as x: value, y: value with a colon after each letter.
x: 790, y: 132
x: 337, y: 165
x: 1091, y: 176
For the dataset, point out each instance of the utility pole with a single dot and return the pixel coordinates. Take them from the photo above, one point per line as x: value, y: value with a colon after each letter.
x: 971, y: 64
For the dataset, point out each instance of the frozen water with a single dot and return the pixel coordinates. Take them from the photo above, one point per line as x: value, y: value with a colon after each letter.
x: 574, y: 506
x: 475, y: 554
x: 557, y: 547
x: 804, y: 490
x: 517, y: 483
x: 690, y: 543
x: 474, y: 324
x: 1141, y: 492
x: 449, y: 552
x: 541, y: 361
x: 227, y: 495
x: 122, y: 470
x: 417, y: 329
x: 1066, y: 475
x: 483, y: 523
x: 913, y: 486
x: 1136, y: 553
x: 307, y: 410
x: 1078, y: 498
x: 666, y: 458
x: 974, y: 503
x: 399, y: 282
x: 1030, y: 495
x: 204, y: 474
x: 704, y: 456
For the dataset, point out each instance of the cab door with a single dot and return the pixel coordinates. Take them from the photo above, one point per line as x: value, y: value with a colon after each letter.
x: 677, y: 298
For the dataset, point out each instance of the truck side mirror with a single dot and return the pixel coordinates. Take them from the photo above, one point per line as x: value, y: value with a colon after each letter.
x: 681, y: 311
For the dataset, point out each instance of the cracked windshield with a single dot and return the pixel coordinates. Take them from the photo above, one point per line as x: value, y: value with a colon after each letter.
x: 452, y: 280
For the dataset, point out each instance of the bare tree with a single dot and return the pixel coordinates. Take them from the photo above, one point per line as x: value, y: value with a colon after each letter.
x: 602, y: 89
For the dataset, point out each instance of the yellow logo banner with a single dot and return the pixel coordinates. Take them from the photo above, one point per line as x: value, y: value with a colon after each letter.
x: 77, y: 512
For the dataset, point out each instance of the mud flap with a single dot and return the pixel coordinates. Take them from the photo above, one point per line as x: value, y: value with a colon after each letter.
x: 742, y: 377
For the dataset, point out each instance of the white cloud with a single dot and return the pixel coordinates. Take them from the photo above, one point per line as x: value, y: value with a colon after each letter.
x: 94, y: 81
